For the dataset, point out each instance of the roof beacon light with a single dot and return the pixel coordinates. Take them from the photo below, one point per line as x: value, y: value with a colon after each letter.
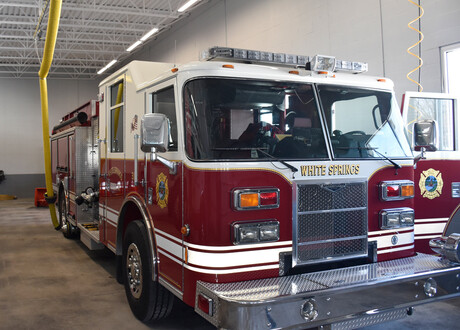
x: 317, y: 63
x: 354, y: 67
x: 253, y: 56
x: 322, y: 63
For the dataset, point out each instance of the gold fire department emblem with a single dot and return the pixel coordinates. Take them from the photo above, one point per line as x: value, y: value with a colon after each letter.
x: 162, y: 190
x: 431, y: 183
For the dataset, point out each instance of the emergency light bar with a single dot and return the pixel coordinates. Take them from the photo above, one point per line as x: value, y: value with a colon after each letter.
x: 317, y: 63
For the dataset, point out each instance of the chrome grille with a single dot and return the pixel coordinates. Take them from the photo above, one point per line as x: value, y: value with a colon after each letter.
x: 330, y: 222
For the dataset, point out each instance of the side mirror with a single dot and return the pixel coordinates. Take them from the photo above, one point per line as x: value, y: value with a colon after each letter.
x: 154, y: 132
x: 425, y: 135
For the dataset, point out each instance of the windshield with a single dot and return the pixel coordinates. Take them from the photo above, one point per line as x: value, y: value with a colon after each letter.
x: 247, y: 119
x: 363, y: 123
x: 236, y: 119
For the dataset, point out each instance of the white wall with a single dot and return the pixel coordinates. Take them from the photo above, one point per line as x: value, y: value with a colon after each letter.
x: 374, y: 31
x: 21, y: 146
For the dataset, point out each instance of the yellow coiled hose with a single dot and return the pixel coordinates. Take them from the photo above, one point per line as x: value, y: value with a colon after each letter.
x: 420, y: 87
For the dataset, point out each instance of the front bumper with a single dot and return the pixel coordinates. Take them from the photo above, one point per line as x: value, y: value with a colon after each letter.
x: 332, y: 296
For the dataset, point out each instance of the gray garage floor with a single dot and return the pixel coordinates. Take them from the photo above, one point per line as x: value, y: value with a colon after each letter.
x: 49, y: 282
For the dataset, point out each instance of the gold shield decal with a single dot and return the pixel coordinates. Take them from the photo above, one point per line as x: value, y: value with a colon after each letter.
x: 430, y: 183
x: 162, y: 190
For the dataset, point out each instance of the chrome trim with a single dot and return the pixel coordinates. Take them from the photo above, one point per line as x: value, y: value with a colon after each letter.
x: 333, y: 210
x: 238, y: 191
x: 340, y: 295
x: 333, y: 240
x: 447, y: 247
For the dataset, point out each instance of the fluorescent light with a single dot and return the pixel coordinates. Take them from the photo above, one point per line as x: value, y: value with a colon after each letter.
x: 149, y: 34
x: 107, y: 66
x: 134, y: 45
x: 187, y: 6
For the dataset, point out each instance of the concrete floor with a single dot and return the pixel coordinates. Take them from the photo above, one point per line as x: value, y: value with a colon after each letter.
x: 49, y: 282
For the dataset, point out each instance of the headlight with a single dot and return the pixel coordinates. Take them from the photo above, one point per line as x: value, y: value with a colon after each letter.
x: 396, y: 218
x: 255, y: 232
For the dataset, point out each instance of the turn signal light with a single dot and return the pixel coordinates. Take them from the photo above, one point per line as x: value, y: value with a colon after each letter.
x: 205, y: 304
x: 396, y: 190
x: 251, y: 199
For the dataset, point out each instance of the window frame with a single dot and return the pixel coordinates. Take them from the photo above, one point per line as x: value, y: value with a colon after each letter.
x: 170, y: 83
x: 122, y: 107
x: 444, y: 65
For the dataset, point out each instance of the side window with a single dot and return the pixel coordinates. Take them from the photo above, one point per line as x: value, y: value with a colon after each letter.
x: 163, y: 102
x: 116, y: 117
x: 438, y: 109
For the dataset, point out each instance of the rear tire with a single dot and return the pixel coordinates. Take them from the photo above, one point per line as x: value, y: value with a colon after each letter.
x: 148, y: 299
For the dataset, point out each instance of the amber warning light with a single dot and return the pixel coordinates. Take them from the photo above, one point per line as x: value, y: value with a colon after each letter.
x: 250, y: 199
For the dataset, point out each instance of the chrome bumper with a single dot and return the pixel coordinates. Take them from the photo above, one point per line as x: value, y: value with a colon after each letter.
x: 330, y: 297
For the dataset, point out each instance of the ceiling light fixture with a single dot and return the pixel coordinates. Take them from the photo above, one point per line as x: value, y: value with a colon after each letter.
x: 187, y: 6
x: 107, y: 66
x: 149, y: 34
x: 134, y: 45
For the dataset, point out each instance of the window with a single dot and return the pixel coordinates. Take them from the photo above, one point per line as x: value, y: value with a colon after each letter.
x: 163, y: 102
x: 235, y: 119
x: 450, y: 60
x: 439, y: 109
x: 363, y: 123
x: 116, y: 117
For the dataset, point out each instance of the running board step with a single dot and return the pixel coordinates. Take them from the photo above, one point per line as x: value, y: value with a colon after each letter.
x: 89, y: 235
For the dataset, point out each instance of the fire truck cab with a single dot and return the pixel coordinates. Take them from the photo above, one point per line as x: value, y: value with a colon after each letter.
x: 265, y: 190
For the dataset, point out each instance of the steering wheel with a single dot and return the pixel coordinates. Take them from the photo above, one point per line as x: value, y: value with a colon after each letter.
x: 355, y: 133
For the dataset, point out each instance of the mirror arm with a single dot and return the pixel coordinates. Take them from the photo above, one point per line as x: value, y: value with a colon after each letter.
x: 169, y: 164
x: 419, y: 157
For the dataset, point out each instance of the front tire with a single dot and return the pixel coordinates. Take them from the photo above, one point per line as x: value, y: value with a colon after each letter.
x: 148, y: 299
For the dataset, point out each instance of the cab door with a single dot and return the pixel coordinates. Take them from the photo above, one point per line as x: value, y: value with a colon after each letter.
x: 112, y: 160
x: 164, y: 188
x: 436, y: 178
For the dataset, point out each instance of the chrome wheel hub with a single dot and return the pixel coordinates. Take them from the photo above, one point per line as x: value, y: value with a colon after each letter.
x: 134, y: 270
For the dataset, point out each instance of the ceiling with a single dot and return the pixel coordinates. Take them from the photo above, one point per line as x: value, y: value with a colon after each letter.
x: 91, y: 33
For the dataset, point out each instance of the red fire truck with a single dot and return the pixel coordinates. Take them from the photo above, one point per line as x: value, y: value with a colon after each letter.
x: 266, y: 190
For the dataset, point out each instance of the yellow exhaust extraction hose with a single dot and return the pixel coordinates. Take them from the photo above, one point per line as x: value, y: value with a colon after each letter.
x: 50, y: 43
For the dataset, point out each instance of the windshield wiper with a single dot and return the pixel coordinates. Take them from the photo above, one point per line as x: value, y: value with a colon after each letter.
x: 396, y: 165
x: 289, y: 166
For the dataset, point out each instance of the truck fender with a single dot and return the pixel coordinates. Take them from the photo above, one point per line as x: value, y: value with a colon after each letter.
x: 453, y: 225
x: 134, y: 208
